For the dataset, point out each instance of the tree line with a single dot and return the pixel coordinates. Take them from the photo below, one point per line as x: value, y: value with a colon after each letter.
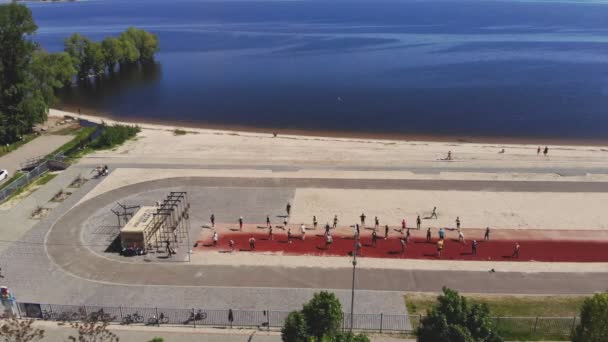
x: 29, y: 75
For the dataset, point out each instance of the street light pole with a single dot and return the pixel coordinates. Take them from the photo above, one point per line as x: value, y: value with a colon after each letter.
x: 352, y: 298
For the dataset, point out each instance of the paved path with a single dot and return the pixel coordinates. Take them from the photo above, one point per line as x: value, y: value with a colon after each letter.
x: 65, y: 250
x: 38, y: 147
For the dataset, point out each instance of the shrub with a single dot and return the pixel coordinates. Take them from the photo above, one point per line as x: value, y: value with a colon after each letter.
x: 295, y: 328
x: 454, y: 319
x: 323, y: 314
x: 594, y: 320
x: 115, y: 135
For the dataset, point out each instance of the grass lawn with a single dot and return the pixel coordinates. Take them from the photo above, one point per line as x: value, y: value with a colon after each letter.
x: 527, y: 328
x: 511, y: 306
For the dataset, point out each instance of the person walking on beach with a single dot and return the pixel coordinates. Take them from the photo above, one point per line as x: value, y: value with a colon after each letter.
x: 335, y: 221
x: 288, y: 208
x: 376, y: 222
x: 538, y: 151
x: 215, y: 238
x: 515, y: 251
x: 231, y: 243
x: 546, y: 151
x: 267, y: 221
x: 439, y: 247
x: 434, y: 213
x: 252, y: 243
x: 418, y: 222
x: 374, y: 238
x: 314, y: 222
x: 270, y: 233
x: 403, y: 244
x: 327, y: 228
x: 441, y: 233
x: 407, y: 234
x: 386, y: 232
x: 303, y: 231
x: 362, y: 219
x: 241, y: 223
x: 212, y: 219
x: 458, y: 223
x: 474, y: 247
x: 428, y: 235
x: 486, y: 236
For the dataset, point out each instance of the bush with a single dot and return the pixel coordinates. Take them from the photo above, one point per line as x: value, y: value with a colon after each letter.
x: 323, y: 314
x: 594, y: 320
x: 295, y: 328
x: 115, y: 135
x: 453, y: 319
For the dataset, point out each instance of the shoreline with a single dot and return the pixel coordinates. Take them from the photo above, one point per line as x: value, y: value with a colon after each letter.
x: 459, y: 139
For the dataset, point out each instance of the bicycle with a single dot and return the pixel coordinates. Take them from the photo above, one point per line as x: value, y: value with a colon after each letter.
x: 134, y: 318
x: 198, y: 316
x: 162, y: 319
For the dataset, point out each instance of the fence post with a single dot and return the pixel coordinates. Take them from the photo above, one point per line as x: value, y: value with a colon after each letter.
x: 573, y: 323
x: 267, y: 320
x: 194, y: 320
x: 51, y: 311
x: 381, y: 314
x: 535, y: 324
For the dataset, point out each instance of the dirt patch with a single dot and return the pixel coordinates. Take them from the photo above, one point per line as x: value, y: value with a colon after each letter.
x: 40, y: 213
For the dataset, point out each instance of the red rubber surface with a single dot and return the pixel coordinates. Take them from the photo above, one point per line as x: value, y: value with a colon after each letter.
x: 497, y: 250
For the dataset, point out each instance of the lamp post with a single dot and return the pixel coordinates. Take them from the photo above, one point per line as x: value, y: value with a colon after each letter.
x: 352, y: 298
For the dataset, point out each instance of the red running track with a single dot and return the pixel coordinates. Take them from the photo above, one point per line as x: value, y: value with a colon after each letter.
x: 497, y: 250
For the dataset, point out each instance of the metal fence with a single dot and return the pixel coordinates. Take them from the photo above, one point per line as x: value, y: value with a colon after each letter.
x: 267, y: 319
x: 25, y: 179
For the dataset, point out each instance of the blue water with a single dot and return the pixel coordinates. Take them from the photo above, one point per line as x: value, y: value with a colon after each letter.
x: 453, y: 68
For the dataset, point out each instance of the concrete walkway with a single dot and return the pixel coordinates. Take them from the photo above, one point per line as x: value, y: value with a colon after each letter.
x: 38, y: 147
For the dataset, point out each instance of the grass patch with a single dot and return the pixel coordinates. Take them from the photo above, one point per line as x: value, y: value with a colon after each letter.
x: 81, y: 134
x: 71, y: 129
x: 115, y: 135
x: 5, y: 149
x: 47, y: 177
x: 561, y: 309
x: 508, y: 306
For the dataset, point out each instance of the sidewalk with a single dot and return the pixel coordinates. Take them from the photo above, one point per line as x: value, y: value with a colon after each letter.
x: 38, y: 147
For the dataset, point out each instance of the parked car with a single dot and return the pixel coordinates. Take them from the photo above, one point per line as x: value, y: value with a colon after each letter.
x: 3, y: 175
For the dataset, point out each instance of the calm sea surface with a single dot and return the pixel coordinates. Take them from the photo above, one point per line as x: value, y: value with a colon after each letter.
x: 445, y: 68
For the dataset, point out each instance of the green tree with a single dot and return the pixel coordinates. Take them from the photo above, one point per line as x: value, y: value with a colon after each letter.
x: 295, y: 328
x: 157, y: 339
x: 113, y: 52
x: 94, y: 57
x: 75, y: 46
x: 20, y: 105
x: 145, y: 42
x: 454, y: 319
x: 323, y: 314
x: 593, y: 326
x: 51, y: 71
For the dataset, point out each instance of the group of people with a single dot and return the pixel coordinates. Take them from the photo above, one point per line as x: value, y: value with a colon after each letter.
x: 328, y: 238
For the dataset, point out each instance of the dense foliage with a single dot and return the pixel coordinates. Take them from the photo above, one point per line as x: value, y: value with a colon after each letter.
x: 115, y: 135
x: 319, y: 320
x: 594, y: 320
x: 29, y: 75
x: 454, y: 319
x: 92, y: 58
